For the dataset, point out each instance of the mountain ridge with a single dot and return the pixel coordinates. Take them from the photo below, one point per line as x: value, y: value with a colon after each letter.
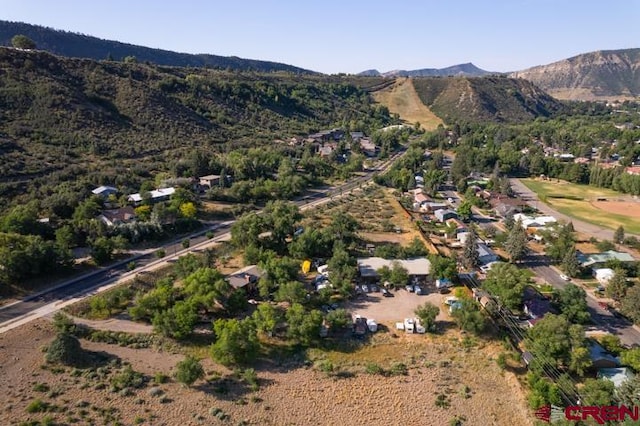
x: 467, y: 70
x: 589, y: 76
x: 76, y: 45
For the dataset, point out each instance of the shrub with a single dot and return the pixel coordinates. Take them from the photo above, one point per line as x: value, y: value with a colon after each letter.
x: 399, y: 369
x: 325, y: 366
x: 127, y: 378
x: 373, y: 368
x: 161, y: 253
x: 249, y: 375
x: 160, y: 378
x: 65, y: 349
x: 442, y: 401
x: 63, y: 324
x: 37, y: 406
x: 155, y: 391
x: 189, y: 370
x: 41, y: 387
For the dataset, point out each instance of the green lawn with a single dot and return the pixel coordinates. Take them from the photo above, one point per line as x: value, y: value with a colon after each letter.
x: 578, y: 200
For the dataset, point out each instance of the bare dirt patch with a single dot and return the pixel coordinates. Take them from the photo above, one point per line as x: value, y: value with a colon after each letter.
x: 623, y: 208
x: 289, y: 394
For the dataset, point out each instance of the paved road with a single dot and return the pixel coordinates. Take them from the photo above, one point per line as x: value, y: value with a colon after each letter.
x: 603, y: 319
x: 51, y: 300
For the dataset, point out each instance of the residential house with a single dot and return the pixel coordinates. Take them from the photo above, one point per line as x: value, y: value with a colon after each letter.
x: 617, y: 375
x: 119, y: 216
x: 417, y: 268
x: 369, y: 148
x: 536, y: 305
x: 433, y: 206
x: 603, y: 275
x: 506, y: 206
x: 210, y: 180
x: 485, y: 254
x: 246, y: 277
x: 105, y: 191
x: 597, y: 260
x: 600, y: 358
x: 534, y: 223
x: 356, y: 136
x: 444, y: 214
x: 156, y: 195
x: 326, y: 150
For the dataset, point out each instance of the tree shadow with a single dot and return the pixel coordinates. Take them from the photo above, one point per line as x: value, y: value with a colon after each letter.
x: 232, y: 387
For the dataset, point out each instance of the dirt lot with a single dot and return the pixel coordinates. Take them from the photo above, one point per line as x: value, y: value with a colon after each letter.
x: 290, y: 393
x: 389, y: 310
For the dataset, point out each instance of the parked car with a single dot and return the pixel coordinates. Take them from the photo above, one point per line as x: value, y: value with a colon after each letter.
x: 565, y: 277
x: 418, y: 289
x: 374, y: 288
x: 409, y: 288
x: 365, y: 288
x: 386, y: 293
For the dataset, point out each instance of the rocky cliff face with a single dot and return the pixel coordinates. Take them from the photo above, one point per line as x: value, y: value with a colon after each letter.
x: 606, y: 74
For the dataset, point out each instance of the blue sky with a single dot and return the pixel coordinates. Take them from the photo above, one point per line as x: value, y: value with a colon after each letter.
x: 350, y: 36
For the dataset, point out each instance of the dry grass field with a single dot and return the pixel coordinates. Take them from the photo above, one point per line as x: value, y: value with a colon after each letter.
x: 335, y: 388
x: 401, y: 98
x: 602, y: 207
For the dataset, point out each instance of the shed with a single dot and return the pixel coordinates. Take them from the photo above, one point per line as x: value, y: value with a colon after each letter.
x: 603, y: 275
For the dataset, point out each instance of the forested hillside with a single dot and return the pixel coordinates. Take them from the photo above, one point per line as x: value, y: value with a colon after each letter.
x: 89, y: 123
x: 75, y: 45
x: 485, y: 99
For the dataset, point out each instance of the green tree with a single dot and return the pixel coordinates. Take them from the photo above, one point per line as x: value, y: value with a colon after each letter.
x: 292, y: 292
x: 580, y: 360
x: 443, y: 267
x: 618, y: 236
x: 236, y: 342
x: 630, y: 303
x: 617, y: 286
x: 464, y: 210
x: 266, y: 318
x: 631, y: 357
x: 189, y: 370
x: 102, y: 249
x: 597, y: 392
x: 516, y: 244
x: 246, y: 230
x: 304, y: 327
x: 186, y: 265
x: 572, y: 301
x: 506, y: 282
x: 570, y: 264
x: 553, y: 339
x: 427, y: 312
x: 415, y: 249
x: 20, y: 41
x: 468, y: 316
x: 470, y: 255
x: 338, y: 319
x: 399, y: 275
x: 177, y: 322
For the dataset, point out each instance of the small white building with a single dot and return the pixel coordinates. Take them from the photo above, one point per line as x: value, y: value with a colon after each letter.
x: 603, y: 275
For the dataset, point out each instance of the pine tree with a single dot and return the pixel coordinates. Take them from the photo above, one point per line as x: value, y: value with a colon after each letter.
x: 470, y: 256
x: 516, y: 245
x: 618, y: 236
x: 570, y: 264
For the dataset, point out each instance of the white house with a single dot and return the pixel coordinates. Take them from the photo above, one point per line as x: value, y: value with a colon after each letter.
x: 603, y: 275
x: 157, y: 195
x: 104, y: 191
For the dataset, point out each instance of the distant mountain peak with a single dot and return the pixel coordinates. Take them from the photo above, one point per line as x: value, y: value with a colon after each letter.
x: 463, y: 70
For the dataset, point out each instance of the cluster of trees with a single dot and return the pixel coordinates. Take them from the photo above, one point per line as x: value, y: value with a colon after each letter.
x: 486, y: 147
